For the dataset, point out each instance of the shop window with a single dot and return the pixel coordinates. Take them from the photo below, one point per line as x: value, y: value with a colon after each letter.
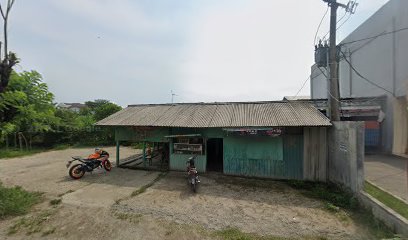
x: 189, y: 146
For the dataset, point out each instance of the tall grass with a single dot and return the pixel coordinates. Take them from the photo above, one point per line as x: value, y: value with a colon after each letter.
x: 12, y: 153
x: 16, y: 201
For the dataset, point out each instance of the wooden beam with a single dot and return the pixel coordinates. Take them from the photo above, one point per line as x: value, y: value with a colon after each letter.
x: 117, y: 153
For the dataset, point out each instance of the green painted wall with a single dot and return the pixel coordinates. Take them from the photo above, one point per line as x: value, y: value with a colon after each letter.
x: 178, y: 162
x: 254, y: 156
x: 293, y: 156
x: 274, y: 157
x: 205, y: 132
x: 129, y: 134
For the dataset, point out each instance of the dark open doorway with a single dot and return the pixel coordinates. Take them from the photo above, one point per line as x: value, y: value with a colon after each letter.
x: 215, y: 154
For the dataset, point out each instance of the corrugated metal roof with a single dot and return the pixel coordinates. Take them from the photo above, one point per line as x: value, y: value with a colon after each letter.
x: 205, y: 115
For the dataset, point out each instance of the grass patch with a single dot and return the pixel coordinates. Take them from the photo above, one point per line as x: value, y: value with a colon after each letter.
x: 344, y: 205
x: 31, y: 224
x: 16, y: 201
x: 49, y: 231
x: 331, y: 193
x: 386, y: 198
x: 61, y: 147
x: 143, y: 188
x: 133, y: 218
x: 12, y: 153
x: 56, y: 201
x: 236, y: 234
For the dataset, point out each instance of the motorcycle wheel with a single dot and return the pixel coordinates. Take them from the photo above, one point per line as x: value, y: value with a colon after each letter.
x: 194, y: 187
x: 76, y: 171
x: 107, y: 165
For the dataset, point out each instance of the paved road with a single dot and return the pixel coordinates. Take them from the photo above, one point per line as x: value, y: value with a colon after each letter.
x: 388, y: 172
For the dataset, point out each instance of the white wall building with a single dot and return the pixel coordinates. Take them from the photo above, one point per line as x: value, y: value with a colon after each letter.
x: 382, y: 60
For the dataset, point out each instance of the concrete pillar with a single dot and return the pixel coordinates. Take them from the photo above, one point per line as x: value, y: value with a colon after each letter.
x: 400, y: 126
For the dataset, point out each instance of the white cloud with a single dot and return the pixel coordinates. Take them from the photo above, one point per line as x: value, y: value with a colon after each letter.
x: 131, y: 52
x: 261, y: 51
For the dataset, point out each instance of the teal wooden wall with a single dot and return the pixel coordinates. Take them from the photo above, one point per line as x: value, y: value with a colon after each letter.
x: 272, y: 157
x: 254, y: 156
x: 129, y: 134
x: 279, y: 157
x: 178, y: 162
x: 293, y: 156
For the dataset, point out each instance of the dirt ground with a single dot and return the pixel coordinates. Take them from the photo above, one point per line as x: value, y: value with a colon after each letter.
x: 112, y: 206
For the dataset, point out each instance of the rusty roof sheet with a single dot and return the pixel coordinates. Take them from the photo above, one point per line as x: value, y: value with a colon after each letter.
x: 206, y: 115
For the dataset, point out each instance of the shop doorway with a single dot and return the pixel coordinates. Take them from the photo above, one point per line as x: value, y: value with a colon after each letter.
x: 215, y: 154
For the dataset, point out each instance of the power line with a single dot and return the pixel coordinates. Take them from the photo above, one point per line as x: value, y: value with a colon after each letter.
x: 349, y: 16
x: 323, y: 73
x: 351, y: 11
x: 361, y: 76
x: 321, y: 21
x: 345, y: 13
x: 370, y: 100
x: 303, y: 85
x: 376, y: 36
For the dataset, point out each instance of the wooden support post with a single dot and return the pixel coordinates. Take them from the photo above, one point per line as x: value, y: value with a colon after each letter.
x: 117, y: 153
x: 144, y: 154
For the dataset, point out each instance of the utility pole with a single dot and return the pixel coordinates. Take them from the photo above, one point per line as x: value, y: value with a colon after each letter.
x: 333, y: 81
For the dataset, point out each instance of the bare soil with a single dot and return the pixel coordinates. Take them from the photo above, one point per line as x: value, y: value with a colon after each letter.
x: 108, y: 206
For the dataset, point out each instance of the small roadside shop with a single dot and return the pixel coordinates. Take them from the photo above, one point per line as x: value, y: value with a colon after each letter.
x: 282, y: 140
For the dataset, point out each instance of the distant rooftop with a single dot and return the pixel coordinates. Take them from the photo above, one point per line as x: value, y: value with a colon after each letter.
x: 295, y: 98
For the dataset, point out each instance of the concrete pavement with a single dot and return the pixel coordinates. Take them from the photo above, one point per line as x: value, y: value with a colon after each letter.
x: 388, y: 172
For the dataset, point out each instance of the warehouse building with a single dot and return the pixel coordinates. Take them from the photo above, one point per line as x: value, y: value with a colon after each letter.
x: 373, y: 65
x: 282, y: 140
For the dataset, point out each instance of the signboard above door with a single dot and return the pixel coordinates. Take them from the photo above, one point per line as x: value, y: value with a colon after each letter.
x: 268, y: 132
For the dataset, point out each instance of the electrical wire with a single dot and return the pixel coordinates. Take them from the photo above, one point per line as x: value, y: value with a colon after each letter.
x: 370, y: 100
x: 321, y: 21
x: 303, y: 85
x: 322, y: 73
x: 376, y: 36
x: 361, y: 76
x: 348, y: 18
x: 345, y: 13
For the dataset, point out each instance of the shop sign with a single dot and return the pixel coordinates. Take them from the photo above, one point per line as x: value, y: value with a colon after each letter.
x: 268, y: 132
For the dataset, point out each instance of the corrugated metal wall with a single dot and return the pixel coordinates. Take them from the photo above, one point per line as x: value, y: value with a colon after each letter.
x: 293, y: 156
x: 372, y: 134
x: 254, y: 156
x: 132, y: 134
x: 178, y: 162
x: 315, y: 154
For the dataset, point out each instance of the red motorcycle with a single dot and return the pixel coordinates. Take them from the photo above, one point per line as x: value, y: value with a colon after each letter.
x: 78, y: 170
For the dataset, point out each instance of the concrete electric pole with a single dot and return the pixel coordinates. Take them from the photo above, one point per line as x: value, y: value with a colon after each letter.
x: 333, y: 81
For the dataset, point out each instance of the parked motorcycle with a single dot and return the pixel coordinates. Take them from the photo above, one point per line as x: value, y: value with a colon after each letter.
x: 193, y: 179
x: 78, y: 170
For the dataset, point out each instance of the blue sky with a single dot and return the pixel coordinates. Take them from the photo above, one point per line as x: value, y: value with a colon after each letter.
x: 204, y: 50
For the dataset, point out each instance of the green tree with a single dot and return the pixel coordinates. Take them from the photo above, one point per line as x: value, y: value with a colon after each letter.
x: 101, y: 108
x: 26, y: 106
